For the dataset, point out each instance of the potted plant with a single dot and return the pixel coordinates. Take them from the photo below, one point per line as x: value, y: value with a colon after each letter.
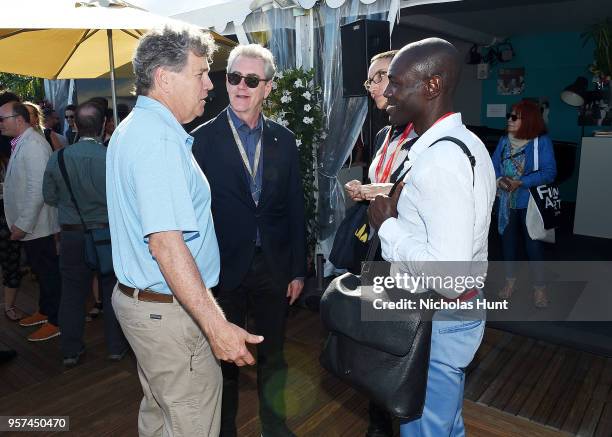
x: 601, y: 34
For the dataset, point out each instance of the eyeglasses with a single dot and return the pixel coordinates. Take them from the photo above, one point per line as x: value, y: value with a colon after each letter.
x: 251, y: 80
x: 512, y: 117
x: 69, y: 116
x: 376, y: 79
x: 8, y: 116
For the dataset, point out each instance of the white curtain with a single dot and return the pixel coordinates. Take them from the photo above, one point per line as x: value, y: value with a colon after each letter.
x: 60, y: 93
x: 276, y: 28
x: 344, y: 116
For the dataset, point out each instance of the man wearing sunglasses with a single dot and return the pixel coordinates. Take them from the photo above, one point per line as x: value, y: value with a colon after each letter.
x: 71, y: 131
x: 29, y: 219
x: 258, y: 208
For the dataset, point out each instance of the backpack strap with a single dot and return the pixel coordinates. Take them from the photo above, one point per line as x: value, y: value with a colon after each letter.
x: 375, y: 241
x: 465, y: 150
x: 62, y: 166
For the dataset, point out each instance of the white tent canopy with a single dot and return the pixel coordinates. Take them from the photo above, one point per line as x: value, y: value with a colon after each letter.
x: 220, y: 14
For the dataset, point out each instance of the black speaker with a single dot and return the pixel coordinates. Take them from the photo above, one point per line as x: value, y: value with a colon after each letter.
x: 360, y: 41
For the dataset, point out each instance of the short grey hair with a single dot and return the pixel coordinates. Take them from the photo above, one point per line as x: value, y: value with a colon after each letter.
x: 254, y: 51
x: 168, y: 47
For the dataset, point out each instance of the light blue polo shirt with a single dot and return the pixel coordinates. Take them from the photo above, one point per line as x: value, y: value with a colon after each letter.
x: 154, y: 184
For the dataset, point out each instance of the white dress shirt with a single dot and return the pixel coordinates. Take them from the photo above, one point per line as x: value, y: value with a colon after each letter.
x: 443, y: 212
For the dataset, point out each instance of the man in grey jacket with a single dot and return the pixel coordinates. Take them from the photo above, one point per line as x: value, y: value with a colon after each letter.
x: 85, y: 165
x: 27, y: 216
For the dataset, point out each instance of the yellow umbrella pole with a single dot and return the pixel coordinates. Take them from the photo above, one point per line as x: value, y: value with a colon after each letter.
x: 111, y: 58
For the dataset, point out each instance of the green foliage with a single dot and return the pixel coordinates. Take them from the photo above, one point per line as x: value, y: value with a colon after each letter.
x: 295, y: 102
x: 26, y: 87
x: 601, y: 34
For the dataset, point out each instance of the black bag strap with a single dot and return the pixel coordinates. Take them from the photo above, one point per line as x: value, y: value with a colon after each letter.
x: 47, y: 133
x: 375, y: 242
x: 62, y: 166
x: 465, y: 150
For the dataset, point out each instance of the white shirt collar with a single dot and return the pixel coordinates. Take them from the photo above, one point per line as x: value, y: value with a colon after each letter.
x: 433, y: 133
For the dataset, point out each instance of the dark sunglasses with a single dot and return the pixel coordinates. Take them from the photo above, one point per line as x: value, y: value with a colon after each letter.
x: 512, y: 117
x: 69, y: 116
x: 251, y: 80
x: 8, y: 116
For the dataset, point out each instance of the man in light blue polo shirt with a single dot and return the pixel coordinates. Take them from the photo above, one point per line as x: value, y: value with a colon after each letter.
x: 165, y: 250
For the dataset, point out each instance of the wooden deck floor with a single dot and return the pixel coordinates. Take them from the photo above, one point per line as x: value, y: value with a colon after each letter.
x: 515, y: 387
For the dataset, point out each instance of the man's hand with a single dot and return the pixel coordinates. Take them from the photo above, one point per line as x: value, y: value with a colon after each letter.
x: 370, y: 191
x: 294, y: 290
x: 384, y: 207
x: 353, y: 189
x: 16, y: 233
x: 228, y: 343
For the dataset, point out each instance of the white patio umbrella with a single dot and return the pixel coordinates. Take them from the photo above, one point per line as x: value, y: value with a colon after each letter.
x: 61, y: 39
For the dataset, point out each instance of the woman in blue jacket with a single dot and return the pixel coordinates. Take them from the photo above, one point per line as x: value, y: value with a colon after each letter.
x: 514, y: 160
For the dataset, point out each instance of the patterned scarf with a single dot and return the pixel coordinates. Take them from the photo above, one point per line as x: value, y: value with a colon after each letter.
x: 513, y: 166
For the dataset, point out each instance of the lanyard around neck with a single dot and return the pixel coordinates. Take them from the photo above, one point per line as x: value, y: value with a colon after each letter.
x: 381, y: 178
x: 448, y: 114
x: 245, y: 160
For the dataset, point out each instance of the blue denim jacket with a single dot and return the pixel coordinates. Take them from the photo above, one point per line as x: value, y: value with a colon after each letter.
x: 547, y: 168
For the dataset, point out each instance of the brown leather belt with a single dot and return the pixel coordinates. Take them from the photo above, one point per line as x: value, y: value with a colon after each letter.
x: 77, y: 227
x: 146, y: 295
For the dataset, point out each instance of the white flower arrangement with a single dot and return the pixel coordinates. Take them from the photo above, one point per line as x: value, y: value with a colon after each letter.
x: 295, y: 104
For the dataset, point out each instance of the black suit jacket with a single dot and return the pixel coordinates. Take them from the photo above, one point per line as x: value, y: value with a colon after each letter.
x: 279, y: 214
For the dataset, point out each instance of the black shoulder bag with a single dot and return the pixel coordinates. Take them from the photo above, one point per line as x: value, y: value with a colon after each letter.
x: 387, y: 361
x: 352, y: 242
x: 98, y: 249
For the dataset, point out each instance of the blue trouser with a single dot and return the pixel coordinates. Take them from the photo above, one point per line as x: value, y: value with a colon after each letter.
x: 456, y: 336
x: 76, y: 288
x: 515, y: 233
x: 42, y: 256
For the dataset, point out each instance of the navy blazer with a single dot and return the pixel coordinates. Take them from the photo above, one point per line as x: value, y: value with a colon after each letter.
x: 279, y: 214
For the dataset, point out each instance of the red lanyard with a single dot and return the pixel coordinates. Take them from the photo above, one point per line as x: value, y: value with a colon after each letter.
x: 448, y: 114
x: 387, y: 171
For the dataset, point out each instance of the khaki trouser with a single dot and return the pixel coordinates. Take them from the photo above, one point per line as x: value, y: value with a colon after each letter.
x: 180, y: 376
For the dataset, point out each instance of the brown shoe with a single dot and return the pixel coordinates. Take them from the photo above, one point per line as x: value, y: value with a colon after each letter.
x: 35, y: 319
x: 508, y: 290
x: 45, y: 332
x: 13, y: 313
x: 540, y: 298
